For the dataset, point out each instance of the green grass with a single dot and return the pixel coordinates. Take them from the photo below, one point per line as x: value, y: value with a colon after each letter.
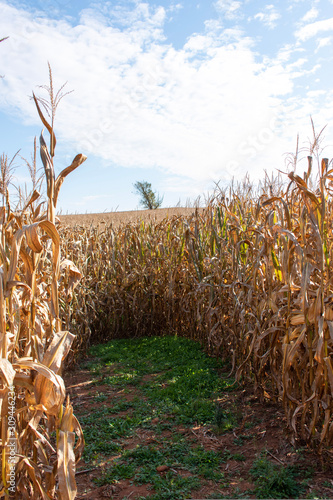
x: 161, y: 384
x: 185, y: 383
x: 275, y: 481
x: 177, y: 455
x: 171, y: 384
x: 176, y: 384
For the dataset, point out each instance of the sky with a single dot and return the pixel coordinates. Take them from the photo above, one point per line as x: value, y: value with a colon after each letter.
x: 184, y: 94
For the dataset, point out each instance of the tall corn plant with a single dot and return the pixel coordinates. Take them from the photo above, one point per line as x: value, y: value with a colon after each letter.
x: 249, y: 278
x: 41, y: 439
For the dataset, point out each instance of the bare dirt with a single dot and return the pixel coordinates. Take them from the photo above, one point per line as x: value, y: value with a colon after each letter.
x: 266, y: 432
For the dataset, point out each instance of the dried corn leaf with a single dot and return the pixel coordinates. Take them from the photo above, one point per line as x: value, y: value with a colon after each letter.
x: 29, y: 363
x: 34, y: 197
x: 74, y: 275
x: 79, y: 447
x: 78, y: 160
x: 297, y: 319
x: 328, y: 363
x: 32, y: 237
x: 58, y: 350
x: 49, y: 394
x: 320, y: 344
x: 48, y: 168
x: 66, y: 465
x: 66, y: 456
x: 27, y: 465
x: 47, y: 125
x: 7, y: 372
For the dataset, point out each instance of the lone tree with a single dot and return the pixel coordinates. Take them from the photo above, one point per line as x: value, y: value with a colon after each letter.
x: 149, y: 199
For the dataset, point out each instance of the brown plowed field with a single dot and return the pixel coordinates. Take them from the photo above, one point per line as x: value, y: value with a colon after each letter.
x: 118, y: 218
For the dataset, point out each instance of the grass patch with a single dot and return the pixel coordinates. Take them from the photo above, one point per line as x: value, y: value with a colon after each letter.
x: 186, y: 381
x: 176, y: 384
x: 274, y: 481
x: 163, y: 388
x: 177, y: 455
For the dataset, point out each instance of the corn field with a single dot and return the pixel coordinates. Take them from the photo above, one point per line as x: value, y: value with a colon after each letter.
x: 41, y: 439
x: 249, y: 277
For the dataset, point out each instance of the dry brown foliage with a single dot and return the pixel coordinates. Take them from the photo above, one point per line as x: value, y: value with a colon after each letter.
x: 41, y: 439
x: 249, y: 277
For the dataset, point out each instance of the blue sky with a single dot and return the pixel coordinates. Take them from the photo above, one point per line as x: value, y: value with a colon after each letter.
x: 183, y: 94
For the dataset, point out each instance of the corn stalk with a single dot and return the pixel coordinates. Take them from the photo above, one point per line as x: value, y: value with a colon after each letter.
x: 41, y: 439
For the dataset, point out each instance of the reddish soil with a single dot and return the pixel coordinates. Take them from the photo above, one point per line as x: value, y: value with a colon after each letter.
x: 267, y: 431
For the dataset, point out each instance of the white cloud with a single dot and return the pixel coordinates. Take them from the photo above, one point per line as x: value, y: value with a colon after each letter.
x: 175, y: 7
x: 268, y: 16
x: 206, y: 111
x: 229, y: 8
x: 311, y: 30
x: 287, y: 52
x: 310, y: 15
x: 198, y: 43
x: 323, y: 42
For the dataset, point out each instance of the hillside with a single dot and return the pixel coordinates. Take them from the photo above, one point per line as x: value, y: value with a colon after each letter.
x: 118, y: 218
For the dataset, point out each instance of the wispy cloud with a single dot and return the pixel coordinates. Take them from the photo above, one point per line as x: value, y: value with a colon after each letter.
x: 313, y: 29
x: 268, y: 16
x: 231, y: 9
x: 175, y: 7
x: 310, y: 15
x: 323, y: 42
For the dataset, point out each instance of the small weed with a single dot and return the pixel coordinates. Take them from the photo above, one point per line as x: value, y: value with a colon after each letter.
x: 145, y: 475
x: 239, y: 457
x: 238, y: 493
x: 121, y: 380
x: 143, y: 455
x: 94, y: 366
x: 100, y: 397
x: 252, y: 423
x: 314, y: 495
x: 173, y: 486
x: 205, y: 463
x: 99, y: 446
x: 102, y: 434
x: 216, y: 495
x: 239, y: 441
x: 273, y: 481
x: 121, y: 406
x: 223, y: 420
x: 118, y: 472
x: 164, y: 426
